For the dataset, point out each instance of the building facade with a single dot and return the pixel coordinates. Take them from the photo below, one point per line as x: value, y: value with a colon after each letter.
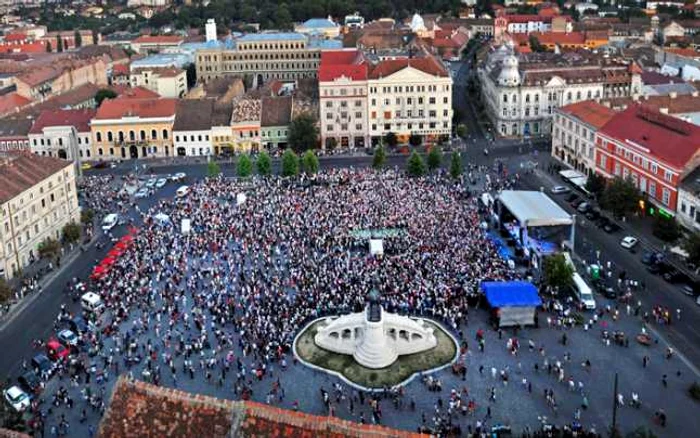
x: 521, y: 94
x: 264, y: 56
x: 167, y: 82
x: 133, y: 128
x: 63, y: 134
x: 688, y: 212
x: 274, y: 121
x: 38, y: 197
x: 656, y: 151
x: 192, y: 128
x: 573, y: 133
x: 60, y: 77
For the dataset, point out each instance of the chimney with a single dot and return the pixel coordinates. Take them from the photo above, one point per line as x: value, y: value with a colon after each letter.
x: 663, y: 110
x: 672, y: 94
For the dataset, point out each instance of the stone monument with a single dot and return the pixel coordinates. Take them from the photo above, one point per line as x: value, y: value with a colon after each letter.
x: 375, y: 338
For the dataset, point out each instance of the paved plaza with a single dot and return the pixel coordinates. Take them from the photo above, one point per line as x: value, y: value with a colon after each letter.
x: 214, y: 312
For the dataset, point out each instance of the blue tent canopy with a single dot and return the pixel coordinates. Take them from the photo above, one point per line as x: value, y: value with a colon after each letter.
x: 511, y: 294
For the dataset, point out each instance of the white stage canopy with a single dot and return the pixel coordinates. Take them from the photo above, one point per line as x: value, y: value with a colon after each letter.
x: 534, y: 209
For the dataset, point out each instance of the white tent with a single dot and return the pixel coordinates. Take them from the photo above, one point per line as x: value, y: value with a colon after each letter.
x: 376, y: 246
x: 185, y: 226
x: 534, y: 209
x: 162, y: 219
x: 240, y: 198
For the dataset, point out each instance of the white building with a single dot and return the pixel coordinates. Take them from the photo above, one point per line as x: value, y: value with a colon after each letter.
x: 688, y: 213
x: 166, y: 81
x: 37, y: 199
x: 573, y: 133
x: 521, y: 93
x: 62, y: 133
x: 151, y: 3
x: 192, y: 129
x: 360, y: 102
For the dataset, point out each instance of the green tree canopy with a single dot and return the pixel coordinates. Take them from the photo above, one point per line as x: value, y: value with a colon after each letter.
x: 5, y: 291
x: 49, y: 248
x: 59, y: 43
x: 191, y: 75
x: 390, y: 139
x: 86, y: 216
x: 244, y: 166
x: 290, y: 163
x: 71, y: 232
x: 692, y: 247
x: 415, y: 167
x: 434, y: 158
x: 213, y: 169
x: 379, y: 158
x: 455, y: 165
x: 557, y: 272
x: 595, y: 184
x: 310, y: 162
x: 666, y: 229
x: 303, y: 133
x: 78, y: 38
x: 461, y: 130
x: 49, y: 47
x: 102, y: 94
x: 620, y: 196
x: 264, y: 164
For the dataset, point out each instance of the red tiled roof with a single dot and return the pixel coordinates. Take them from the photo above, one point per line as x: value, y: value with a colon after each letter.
x: 36, y: 47
x: 139, y: 409
x: 158, y: 39
x: 338, y: 63
x: 667, y: 138
x: 15, y: 37
x: 389, y: 67
x: 144, y: 108
x: 120, y: 70
x: 19, y: 172
x: 590, y: 112
x: 78, y: 118
x: 689, y: 53
x: 127, y: 92
x: 11, y: 102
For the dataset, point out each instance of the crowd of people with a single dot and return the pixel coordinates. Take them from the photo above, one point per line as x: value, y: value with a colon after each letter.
x: 224, y: 301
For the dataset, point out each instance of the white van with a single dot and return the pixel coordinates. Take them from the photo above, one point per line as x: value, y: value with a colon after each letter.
x: 91, y: 302
x: 109, y: 222
x: 583, y: 292
x: 182, y: 191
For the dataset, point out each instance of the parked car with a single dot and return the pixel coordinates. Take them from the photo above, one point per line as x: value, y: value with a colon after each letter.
x: 161, y: 183
x: 151, y: 183
x: 68, y: 338
x: 56, y: 351
x: 86, y: 166
x: 583, y: 207
x: 611, y: 227
x: 78, y: 325
x: 651, y: 257
x: 654, y: 268
x: 572, y: 197
x: 17, y: 398
x: 605, y: 289
x: 43, y: 366
x: 141, y: 193
x: 593, y: 214
x: 178, y: 176
x: 629, y: 242
x: 182, y: 191
x: 577, y: 202
x: 673, y: 275
x: 30, y: 382
x: 560, y: 190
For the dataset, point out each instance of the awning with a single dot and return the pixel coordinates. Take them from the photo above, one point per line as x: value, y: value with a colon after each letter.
x: 511, y: 294
x: 534, y: 209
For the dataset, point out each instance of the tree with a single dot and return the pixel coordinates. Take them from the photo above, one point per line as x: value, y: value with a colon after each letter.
x: 71, y: 232
x: 95, y: 36
x: 557, y: 272
x: 59, y: 43
x: 535, y: 45
x: 415, y: 140
x: 666, y: 229
x: 455, y: 165
x: 290, y: 163
x: 264, y: 164
x: 595, y: 184
x: 310, y: 162
x: 620, y: 196
x: 5, y: 291
x: 191, y: 75
x: 692, y: 247
x: 78, y: 38
x: 434, y: 158
x: 86, y: 216
x: 390, y: 139
x: 303, y: 133
x: 49, y: 48
x: 461, y: 130
x: 379, y: 159
x: 213, y: 169
x: 244, y: 167
x: 102, y: 94
x: 415, y: 165
x: 49, y: 248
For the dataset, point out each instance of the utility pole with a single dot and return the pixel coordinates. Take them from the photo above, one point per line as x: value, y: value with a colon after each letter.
x: 613, y: 428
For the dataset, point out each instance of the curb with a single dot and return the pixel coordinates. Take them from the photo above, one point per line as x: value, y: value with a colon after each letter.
x: 677, y: 352
x: 366, y: 389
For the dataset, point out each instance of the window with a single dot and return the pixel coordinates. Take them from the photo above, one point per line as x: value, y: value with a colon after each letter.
x: 98, y: 136
x: 110, y: 137
x: 666, y: 196
x: 329, y: 116
x: 668, y: 176
x: 329, y: 127
x: 652, y: 189
x: 165, y: 134
x: 431, y: 100
x: 654, y: 168
x: 154, y: 134
x: 387, y: 126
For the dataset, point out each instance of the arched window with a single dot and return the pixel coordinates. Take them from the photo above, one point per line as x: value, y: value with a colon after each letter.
x: 110, y: 136
x: 165, y: 134
x: 142, y: 134
x: 132, y: 135
x: 121, y: 136
x: 98, y: 136
x: 154, y: 134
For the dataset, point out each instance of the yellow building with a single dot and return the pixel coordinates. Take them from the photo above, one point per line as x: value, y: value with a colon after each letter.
x: 133, y: 128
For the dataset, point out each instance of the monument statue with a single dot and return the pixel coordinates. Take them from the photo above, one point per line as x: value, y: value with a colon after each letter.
x: 375, y: 338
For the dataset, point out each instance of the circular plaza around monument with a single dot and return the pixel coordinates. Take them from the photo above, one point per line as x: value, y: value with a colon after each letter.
x: 399, y: 372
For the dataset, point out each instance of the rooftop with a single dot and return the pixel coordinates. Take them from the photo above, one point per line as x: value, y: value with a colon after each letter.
x: 12, y: 102
x: 193, y: 115
x: 139, y: 409
x: 15, y: 127
x: 271, y: 36
x: 318, y: 23
x: 78, y: 118
x: 339, y: 63
x: 159, y: 39
x: 589, y: 112
x: 246, y: 109
x: 667, y: 138
x: 427, y: 65
x: 276, y: 111
x: 143, y: 108
x: 19, y: 172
